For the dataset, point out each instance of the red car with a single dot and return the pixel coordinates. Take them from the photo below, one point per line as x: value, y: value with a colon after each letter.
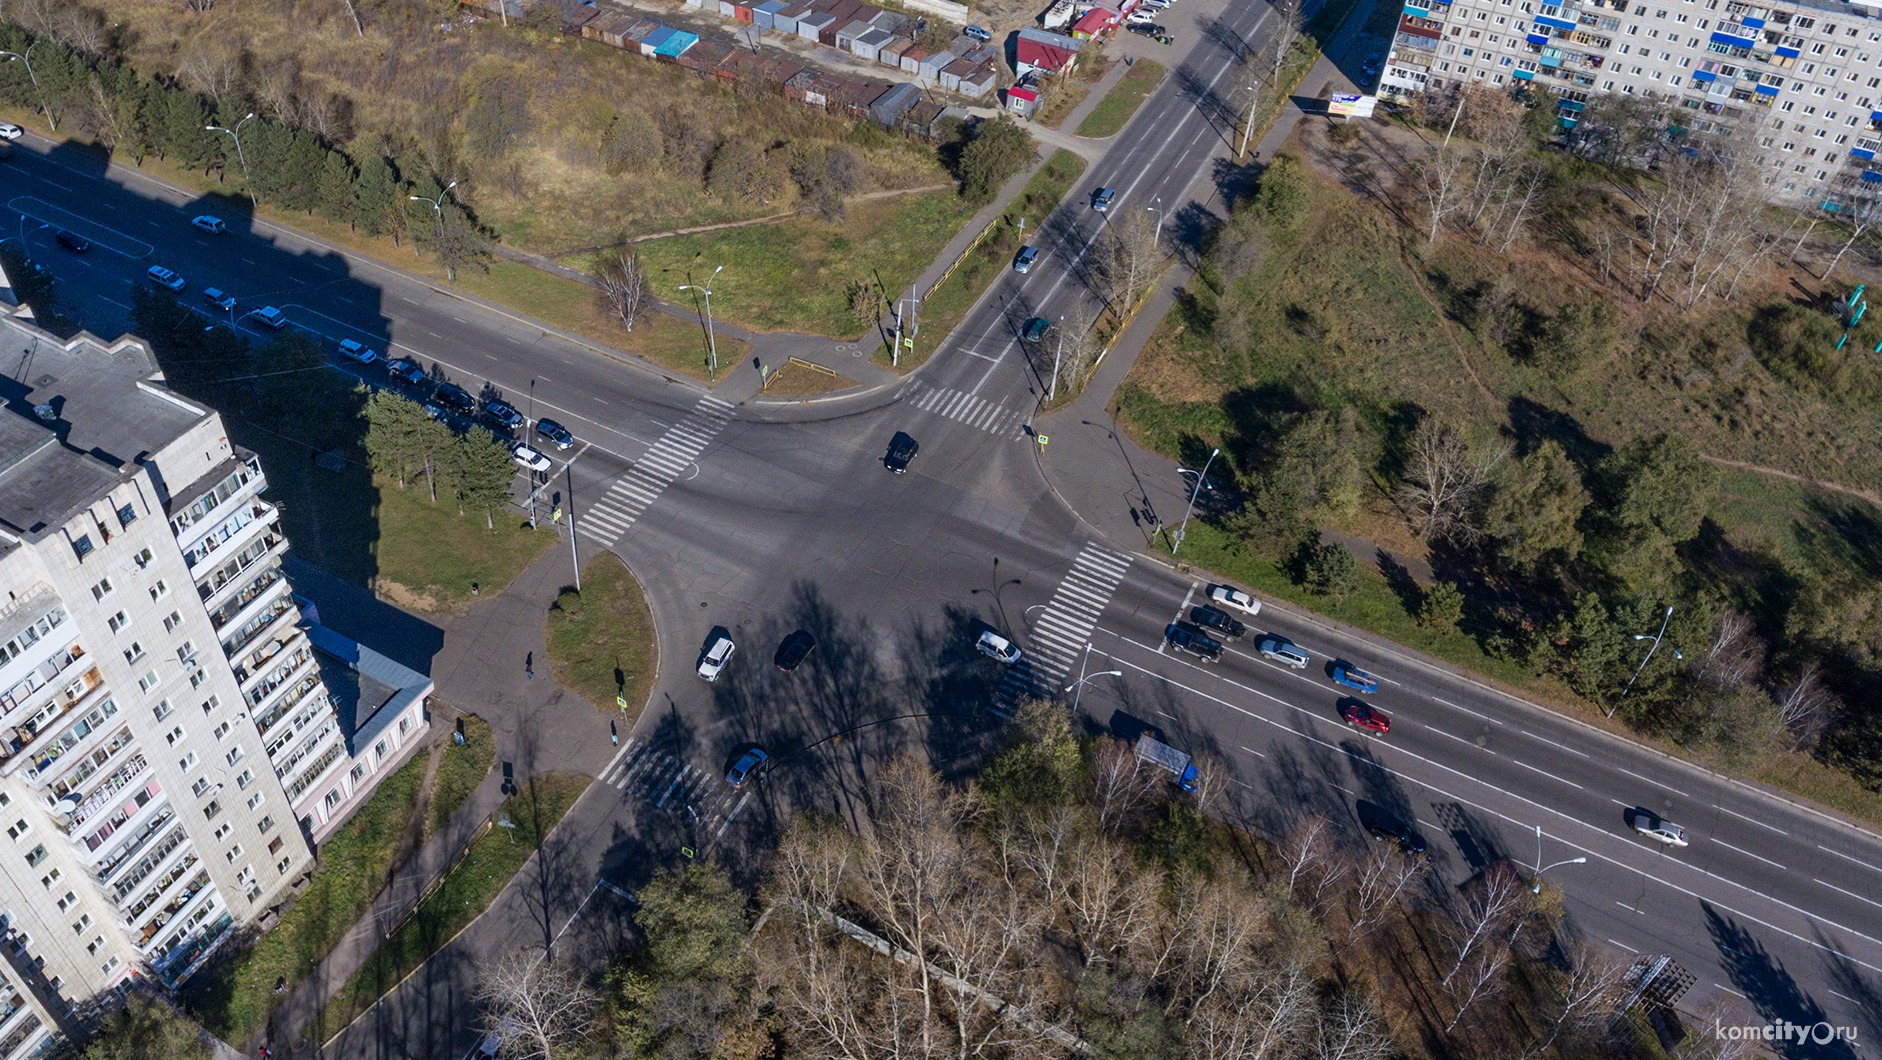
x: 1361, y: 716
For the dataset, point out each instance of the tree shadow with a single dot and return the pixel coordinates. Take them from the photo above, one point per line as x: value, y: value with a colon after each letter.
x: 1773, y: 993
x: 1531, y: 424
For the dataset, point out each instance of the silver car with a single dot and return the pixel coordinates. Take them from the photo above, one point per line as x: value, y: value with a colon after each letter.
x: 1658, y: 828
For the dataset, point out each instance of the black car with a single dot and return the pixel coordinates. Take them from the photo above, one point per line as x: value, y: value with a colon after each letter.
x: 500, y: 413
x: 73, y: 242
x: 1187, y: 638
x: 902, y: 449
x: 1408, y: 841
x: 1209, y: 618
x: 1145, y: 28
x: 454, y: 398
x: 793, y: 650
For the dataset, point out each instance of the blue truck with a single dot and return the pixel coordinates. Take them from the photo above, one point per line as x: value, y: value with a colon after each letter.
x: 1151, y: 749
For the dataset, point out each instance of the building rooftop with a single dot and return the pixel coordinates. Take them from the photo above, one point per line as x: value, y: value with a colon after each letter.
x: 76, y: 415
x: 364, y: 686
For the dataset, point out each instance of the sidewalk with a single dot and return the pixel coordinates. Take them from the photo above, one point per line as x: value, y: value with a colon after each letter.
x: 538, y: 727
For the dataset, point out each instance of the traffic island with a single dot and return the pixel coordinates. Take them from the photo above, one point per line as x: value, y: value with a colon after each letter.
x: 601, y: 640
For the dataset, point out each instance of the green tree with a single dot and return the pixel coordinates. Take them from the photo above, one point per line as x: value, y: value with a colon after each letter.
x: 457, y: 240
x: 1586, y: 646
x: 674, y: 994
x: 1658, y: 492
x: 397, y: 442
x: 178, y: 129
x: 146, y: 1027
x: 1327, y: 569
x: 1583, y: 333
x: 1440, y: 607
x: 999, y: 149
x: 1273, y: 522
x: 1284, y: 194
x: 376, y: 195
x: 333, y: 191
x: 1534, y: 513
x: 481, y: 473
x: 1042, y: 765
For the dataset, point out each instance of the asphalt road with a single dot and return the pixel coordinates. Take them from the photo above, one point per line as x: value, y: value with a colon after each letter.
x: 766, y: 520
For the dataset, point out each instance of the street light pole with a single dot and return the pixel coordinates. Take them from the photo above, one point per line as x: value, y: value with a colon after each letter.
x: 712, y: 341
x: 1077, y: 688
x: 1200, y: 479
x: 1668, y: 617
x: 240, y: 156
x: 1156, y: 239
x: 1536, y: 888
x: 437, y: 204
x: 28, y: 60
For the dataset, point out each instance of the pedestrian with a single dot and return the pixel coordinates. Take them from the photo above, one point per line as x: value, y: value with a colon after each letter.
x: 476, y: 590
x: 529, y: 665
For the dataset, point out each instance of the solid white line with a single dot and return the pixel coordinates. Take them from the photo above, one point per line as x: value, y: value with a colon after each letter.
x: 1747, y: 853
x: 1553, y: 744
x: 1623, y: 945
x: 1732, y: 992
x: 1845, y: 997
x: 1852, y: 894
x: 1252, y: 751
x: 1753, y: 820
x: 1657, y: 783
x: 1548, y: 774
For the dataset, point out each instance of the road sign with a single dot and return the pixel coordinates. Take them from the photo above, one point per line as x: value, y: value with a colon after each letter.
x: 687, y: 851
x: 621, y: 701
x: 909, y: 343
x: 1043, y: 439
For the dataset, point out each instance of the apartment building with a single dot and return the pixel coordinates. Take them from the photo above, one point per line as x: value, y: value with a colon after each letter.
x: 1807, y: 74
x: 170, y: 748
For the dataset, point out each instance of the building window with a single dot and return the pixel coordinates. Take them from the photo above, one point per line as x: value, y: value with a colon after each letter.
x: 333, y: 799
x: 281, y: 867
x: 201, y: 785
x: 83, y: 546
x: 19, y: 829
x: 117, y: 622
x: 108, y: 966
x: 266, y: 825
x: 79, y: 925
x: 143, y: 558
x: 223, y: 830
x: 197, y: 677
x: 134, y: 652
x: 49, y: 879
x: 223, y: 730
x: 162, y: 709
x: 159, y: 590
x: 187, y: 762
x: 210, y: 811
x: 68, y: 901
x: 36, y: 855
x: 147, y: 682
x: 171, y: 621
x: 210, y: 704
x: 95, y: 945
x: 102, y: 589
x: 254, y: 801
x: 235, y: 754
x: 233, y: 853
x: 127, y: 515
x: 247, y: 778
x: 275, y: 845
x: 379, y: 751
x: 174, y: 735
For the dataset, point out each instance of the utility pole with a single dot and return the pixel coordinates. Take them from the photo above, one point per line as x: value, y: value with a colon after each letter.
x: 712, y: 341
x: 1052, y: 389
x: 1248, y: 126
x: 1200, y: 479
x: 27, y: 59
x: 239, y: 155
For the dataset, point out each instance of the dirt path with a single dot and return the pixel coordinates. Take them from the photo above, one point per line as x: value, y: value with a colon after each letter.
x: 1756, y: 469
x: 1444, y: 323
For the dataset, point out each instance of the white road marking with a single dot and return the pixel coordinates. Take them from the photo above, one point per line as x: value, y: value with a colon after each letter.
x: 1753, y: 820
x: 1460, y: 739
x: 1622, y: 945
x: 1845, y: 857
x: 1852, y: 894
x: 1552, y: 743
x: 1252, y: 751
x: 1467, y: 710
x: 1657, y: 783
x: 1548, y: 774
x: 1747, y: 853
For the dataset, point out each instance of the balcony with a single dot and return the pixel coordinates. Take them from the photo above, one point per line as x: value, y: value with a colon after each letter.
x: 125, y: 815
x: 265, y: 722
x: 275, y: 618
x: 210, y: 586
x: 106, y: 792
x: 231, y: 611
x: 259, y: 686
x: 172, y: 847
x: 129, y: 848
x: 173, y: 908
x: 161, y: 887
x: 31, y: 733
x: 190, y: 524
x: 81, y: 746
x: 24, y: 693
x: 232, y: 533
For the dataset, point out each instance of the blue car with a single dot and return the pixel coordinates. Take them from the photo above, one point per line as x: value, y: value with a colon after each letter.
x: 1352, y: 677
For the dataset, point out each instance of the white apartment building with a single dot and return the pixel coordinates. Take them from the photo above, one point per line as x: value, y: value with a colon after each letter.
x: 169, y: 746
x: 1809, y: 74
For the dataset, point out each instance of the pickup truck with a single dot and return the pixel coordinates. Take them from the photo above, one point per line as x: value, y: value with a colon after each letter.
x: 1182, y: 771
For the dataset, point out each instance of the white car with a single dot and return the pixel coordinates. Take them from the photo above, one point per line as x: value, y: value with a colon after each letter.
x: 209, y: 223
x: 9, y: 131
x: 994, y: 646
x: 716, y: 654
x: 270, y: 316
x: 1658, y: 828
x: 220, y: 299
x: 1229, y: 596
x: 531, y: 458
x: 163, y: 277
x: 354, y: 350
x: 1142, y: 16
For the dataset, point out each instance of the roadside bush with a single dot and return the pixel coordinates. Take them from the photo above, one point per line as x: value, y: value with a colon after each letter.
x: 1440, y: 607
x: 1326, y: 569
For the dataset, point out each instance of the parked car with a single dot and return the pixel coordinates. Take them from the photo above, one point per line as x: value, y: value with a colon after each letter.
x: 716, y: 653
x: 72, y: 241
x: 1362, y: 716
x: 1022, y: 262
x: 270, y: 316
x: 217, y: 298
x: 1186, y: 638
x: 533, y: 459
x: 455, y: 398
x: 902, y: 450
x: 1148, y: 29
x: 209, y: 223
x: 1408, y: 840
x: 500, y: 412
x: 353, y: 350
x: 793, y: 650
x: 1658, y: 828
x: 1034, y: 329
x: 10, y: 131
x: 165, y: 278
x: 1229, y: 596
x: 555, y: 432
x: 1212, y: 619
x: 1102, y: 198
x: 996, y: 647
x: 749, y: 764
x: 1283, y: 651
x: 1345, y: 673
x: 407, y: 369
x: 1141, y: 17
x: 979, y: 33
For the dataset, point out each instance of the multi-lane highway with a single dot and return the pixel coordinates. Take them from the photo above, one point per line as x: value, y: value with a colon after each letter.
x: 768, y: 518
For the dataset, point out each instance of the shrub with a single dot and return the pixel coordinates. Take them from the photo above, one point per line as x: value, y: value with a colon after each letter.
x: 1440, y: 607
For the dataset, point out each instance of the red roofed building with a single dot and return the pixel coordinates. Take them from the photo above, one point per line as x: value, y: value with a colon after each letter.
x: 1048, y: 53
x: 1097, y: 20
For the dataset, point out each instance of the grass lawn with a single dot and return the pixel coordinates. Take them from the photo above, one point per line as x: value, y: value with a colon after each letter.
x: 795, y: 275
x: 234, y: 999
x: 460, y: 771
x: 428, y: 555
x: 460, y: 897
x: 1112, y: 112
x: 601, y: 641
x: 943, y: 308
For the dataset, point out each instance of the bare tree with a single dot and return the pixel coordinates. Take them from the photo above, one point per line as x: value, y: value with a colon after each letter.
x: 1311, y: 855
x: 539, y: 1009
x: 1079, y: 347
x: 1285, y: 25
x: 1862, y: 214
x: 1442, y: 179
x: 352, y: 11
x: 622, y: 285
x: 1119, y: 788
x: 1109, y: 901
x: 1351, y: 1029
x: 1445, y: 479
x: 1586, y: 995
x: 1494, y: 902
x: 1127, y: 258
x: 1805, y: 706
x: 1385, y: 877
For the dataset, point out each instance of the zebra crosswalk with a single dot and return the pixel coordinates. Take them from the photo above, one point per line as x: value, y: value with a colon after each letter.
x: 675, y: 786
x: 611, y: 516
x: 976, y: 412
x: 1064, y: 627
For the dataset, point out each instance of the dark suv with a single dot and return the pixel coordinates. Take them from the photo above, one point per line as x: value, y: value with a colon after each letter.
x: 902, y: 449
x: 1187, y: 638
x: 1209, y: 618
x: 72, y: 241
x: 455, y: 399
